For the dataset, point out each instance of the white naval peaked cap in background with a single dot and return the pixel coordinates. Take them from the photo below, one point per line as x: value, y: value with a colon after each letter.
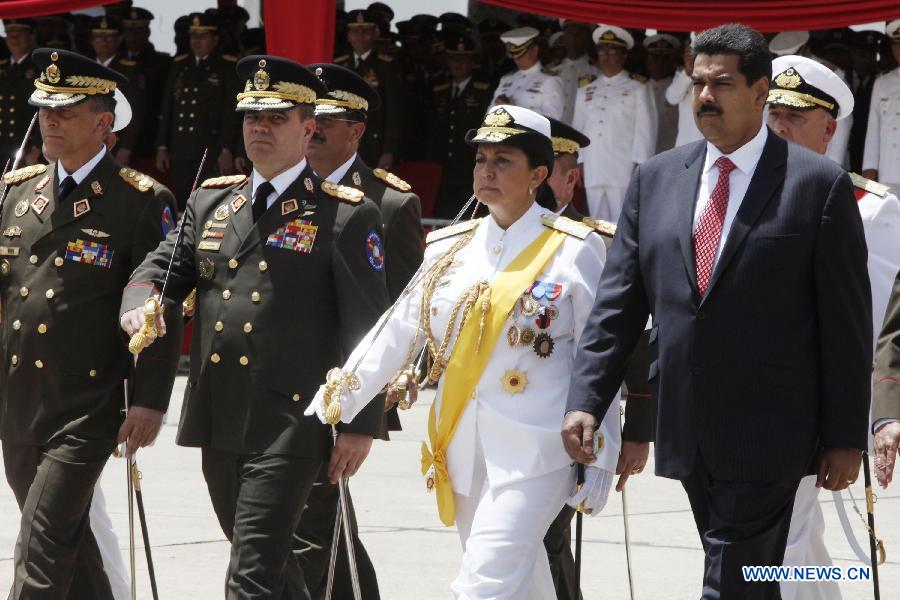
x: 614, y: 36
x: 801, y: 82
x: 893, y: 30
x: 788, y: 42
x: 519, y: 36
x: 663, y: 37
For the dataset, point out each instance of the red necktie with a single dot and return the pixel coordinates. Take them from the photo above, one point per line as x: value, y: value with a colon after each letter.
x: 709, y: 228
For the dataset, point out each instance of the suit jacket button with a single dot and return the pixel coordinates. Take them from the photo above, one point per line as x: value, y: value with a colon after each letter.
x: 39, y: 364
x: 244, y: 361
x: 226, y: 294
x: 58, y: 261
x: 219, y: 326
x: 33, y: 259
x: 17, y: 325
x: 263, y: 265
x: 49, y: 294
x: 23, y: 291
x: 248, y: 327
x: 296, y: 397
x: 215, y: 358
x: 93, y: 372
x: 14, y: 360
x: 232, y: 264
x: 42, y: 328
x: 255, y: 297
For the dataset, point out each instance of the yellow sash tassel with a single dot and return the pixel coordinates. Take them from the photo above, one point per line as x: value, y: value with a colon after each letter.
x: 470, y: 355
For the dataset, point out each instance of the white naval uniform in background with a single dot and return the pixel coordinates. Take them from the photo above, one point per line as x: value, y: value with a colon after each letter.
x: 509, y: 470
x: 882, y: 150
x: 681, y: 94
x: 616, y: 114
x: 806, y: 537
x: 666, y: 114
x: 533, y: 89
x: 570, y: 72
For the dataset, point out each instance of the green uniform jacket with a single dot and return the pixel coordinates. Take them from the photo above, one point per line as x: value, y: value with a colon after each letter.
x: 383, y: 125
x: 450, y: 119
x: 279, y: 303
x: 64, y: 356
x: 886, y: 396
x: 16, y: 85
x: 198, y: 107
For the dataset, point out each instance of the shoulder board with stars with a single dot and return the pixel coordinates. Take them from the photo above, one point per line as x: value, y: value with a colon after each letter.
x: 566, y: 225
x: 602, y: 227
x: 441, y: 87
x: 385, y: 57
x: 481, y: 85
x: 137, y: 179
x: 392, y: 180
x: 873, y: 187
x: 451, y: 231
x: 583, y: 81
x: 180, y: 57
x: 638, y: 77
x: 23, y: 174
x: 223, y: 182
x: 342, y: 192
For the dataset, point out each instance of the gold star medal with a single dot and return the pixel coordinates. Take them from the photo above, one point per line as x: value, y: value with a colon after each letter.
x: 514, y: 381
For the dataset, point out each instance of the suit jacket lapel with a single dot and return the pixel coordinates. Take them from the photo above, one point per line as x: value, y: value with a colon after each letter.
x: 686, y: 188
x: 768, y: 177
x: 242, y: 220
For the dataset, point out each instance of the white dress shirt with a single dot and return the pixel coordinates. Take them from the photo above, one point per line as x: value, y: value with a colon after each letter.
x: 745, y: 159
x: 339, y: 173
x: 358, y: 58
x: 280, y: 182
x: 82, y: 172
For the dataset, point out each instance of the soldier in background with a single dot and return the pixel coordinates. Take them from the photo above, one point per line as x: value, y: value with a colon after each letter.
x: 529, y: 86
x: 382, y: 141
x: 881, y: 159
x: 457, y: 105
x: 663, y: 52
x: 578, y: 63
x: 196, y: 112
x: 17, y: 75
x: 494, y: 61
x: 865, y: 46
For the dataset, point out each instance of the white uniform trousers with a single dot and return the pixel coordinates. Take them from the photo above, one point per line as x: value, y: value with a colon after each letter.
x: 605, y: 202
x: 806, y: 545
x: 502, y: 534
x: 102, y: 528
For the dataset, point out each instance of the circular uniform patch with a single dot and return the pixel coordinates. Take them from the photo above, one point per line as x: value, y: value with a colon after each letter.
x: 375, y: 251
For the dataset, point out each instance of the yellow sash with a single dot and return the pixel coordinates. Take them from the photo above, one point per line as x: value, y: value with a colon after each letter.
x: 468, y: 359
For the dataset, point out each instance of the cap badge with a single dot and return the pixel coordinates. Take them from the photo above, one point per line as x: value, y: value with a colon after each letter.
x: 498, y: 118
x: 196, y: 22
x: 318, y: 71
x: 608, y: 36
x: 261, y: 78
x: 788, y: 79
x: 53, y: 73
x: 360, y: 18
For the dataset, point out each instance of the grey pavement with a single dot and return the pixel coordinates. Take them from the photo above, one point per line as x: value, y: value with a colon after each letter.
x: 415, y: 556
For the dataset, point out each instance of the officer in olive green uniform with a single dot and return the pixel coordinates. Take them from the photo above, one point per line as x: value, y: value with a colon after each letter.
x: 196, y: 110
x: 457, y: 105
x: 341, y: 116
x: 17, y: 75
x: 383, y: 129
x: 69, y: 240
x: 289, y: 274
x: 640, y: 410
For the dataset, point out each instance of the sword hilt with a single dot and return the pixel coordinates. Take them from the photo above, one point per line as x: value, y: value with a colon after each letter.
x: 148, y: 331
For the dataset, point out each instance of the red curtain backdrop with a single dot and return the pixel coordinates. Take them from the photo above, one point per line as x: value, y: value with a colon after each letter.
x: 300, y: 30
x: 17, y: 9
x: 696, y: 15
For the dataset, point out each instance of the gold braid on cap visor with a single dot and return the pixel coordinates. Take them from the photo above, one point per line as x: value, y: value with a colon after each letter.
x: 495, y: 134
x: 80, y: 85
x: 565, y: 145
x: 285, y: 90
x: 797, y: 99
x: 345, y: 100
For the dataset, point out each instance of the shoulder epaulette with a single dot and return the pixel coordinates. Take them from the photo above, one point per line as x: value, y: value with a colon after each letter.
x: 223, y: 182
x: 549, y: 71
x: 638, y: 77
x: 23, y: 174
x: 392, y: 180
x: 451, y: 231
x: 873, y: 187
x: 136, y: 179
x: 481, y: 85
x: 342, y: 192
x: 385, y: 57
x: 230, y: 57
x: 342, y: 58
x: 441, y: 87
x: 586, y: 79
x: 566, y: 225
x: 127, y: 62
x: 180, y: 57
x: 602, y: 227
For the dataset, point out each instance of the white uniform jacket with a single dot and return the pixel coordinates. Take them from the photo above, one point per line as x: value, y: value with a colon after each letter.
x: 616, y: 114
x: 519, y: 432
x: 570, y: 72
x: 882, y: 150
x: 881, y: 223
x: 680, y: 93
x: 535, y: 90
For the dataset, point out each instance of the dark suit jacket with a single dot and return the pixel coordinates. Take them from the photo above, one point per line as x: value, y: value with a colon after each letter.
x: 271, y: 318
x: 775, y: 361
x: 886, y: 396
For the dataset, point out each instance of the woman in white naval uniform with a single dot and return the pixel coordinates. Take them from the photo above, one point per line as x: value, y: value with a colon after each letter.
x: 523, y: 281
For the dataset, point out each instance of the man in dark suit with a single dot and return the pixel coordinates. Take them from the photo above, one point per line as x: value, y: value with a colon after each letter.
x: 73, y: 231
x: 749, y: 253
x: 289, y: 273
x: 341, y: 124
x: 886, y: 396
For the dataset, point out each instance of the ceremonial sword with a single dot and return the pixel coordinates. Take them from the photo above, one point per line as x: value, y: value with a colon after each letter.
x: 154, y: 304
x: 19, y: 153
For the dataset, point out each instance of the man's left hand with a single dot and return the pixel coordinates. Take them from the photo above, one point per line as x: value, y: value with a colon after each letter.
x: 348, y: 454
x: 632, y: 460
x: 140, y: 428
x: 838, y: 468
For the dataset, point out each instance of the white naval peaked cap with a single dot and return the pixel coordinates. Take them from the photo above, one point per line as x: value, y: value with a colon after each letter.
x: 123, y: 111
x: 613, y: 35
x: 519, y: 36
x: 893, y: 30
x: 788, y: 42
x: 800, y: 82
x: 527, y: 118
x: 663, y: 37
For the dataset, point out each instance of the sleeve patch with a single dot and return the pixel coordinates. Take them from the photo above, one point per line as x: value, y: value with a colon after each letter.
x: 167, y: 221
x: 375, y: 251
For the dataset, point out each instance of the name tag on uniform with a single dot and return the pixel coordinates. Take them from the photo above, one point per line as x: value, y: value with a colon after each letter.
x: 9, y: 251
x: 209, y: 245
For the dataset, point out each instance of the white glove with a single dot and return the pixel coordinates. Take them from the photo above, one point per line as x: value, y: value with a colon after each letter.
x: 594, y: 491
x: 317, y: 406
